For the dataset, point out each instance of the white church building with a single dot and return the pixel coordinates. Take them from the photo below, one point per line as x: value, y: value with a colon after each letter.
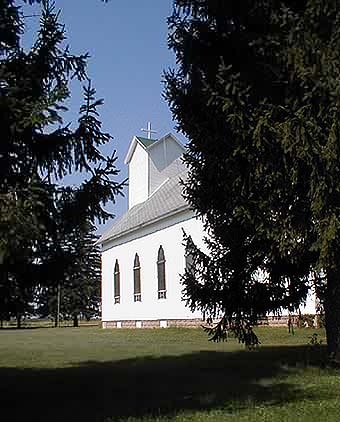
x: 143, y: 255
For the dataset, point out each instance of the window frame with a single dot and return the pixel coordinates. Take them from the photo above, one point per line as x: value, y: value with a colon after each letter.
x: 161, y: 274
x: 137, y: 285
x: 116, y: 283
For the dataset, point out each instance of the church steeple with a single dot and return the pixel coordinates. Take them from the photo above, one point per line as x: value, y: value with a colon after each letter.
x: 150, y: 163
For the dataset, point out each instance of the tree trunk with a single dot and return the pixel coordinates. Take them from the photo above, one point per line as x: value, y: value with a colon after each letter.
x: 75, y: 321
x: 18, y: 320
x: 332, y: 314
x: 1, y: 323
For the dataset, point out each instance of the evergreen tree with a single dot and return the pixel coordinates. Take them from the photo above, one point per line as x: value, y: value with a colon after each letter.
x: 81, y: 294
x: 257, y: 94
x: 77, y: 282
x: 38, y: 151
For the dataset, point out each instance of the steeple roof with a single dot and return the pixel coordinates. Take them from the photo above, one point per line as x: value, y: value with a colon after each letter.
x: 146, y: 142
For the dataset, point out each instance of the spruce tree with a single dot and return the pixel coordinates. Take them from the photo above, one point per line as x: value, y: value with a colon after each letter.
x: 77, y: 282
x: 81, y: 293
x: 38, y: 150
x: 257, y: 94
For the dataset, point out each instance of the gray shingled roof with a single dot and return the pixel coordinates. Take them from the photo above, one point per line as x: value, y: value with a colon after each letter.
x: 166, y: 200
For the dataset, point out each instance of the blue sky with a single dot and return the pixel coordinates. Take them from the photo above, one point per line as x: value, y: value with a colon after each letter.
x: 127, y: 42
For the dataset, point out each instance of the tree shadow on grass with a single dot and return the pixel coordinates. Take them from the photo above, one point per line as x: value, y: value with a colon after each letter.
x: 153, y: 386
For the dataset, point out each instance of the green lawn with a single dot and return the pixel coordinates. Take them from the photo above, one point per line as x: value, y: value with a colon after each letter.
x: 88, y: 374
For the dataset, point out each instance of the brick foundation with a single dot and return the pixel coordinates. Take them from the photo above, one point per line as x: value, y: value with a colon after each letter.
x: 281, y: 321
x: 189, y: 323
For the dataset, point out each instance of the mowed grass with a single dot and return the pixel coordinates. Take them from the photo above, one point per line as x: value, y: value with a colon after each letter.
x: 89, y: 374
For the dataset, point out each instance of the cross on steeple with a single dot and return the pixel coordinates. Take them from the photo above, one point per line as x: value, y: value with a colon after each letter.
x: 149, y: 131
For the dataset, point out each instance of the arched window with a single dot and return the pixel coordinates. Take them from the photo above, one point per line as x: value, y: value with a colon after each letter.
x: 161, y: 274
x: 137, y: 296
x: 116, y: 283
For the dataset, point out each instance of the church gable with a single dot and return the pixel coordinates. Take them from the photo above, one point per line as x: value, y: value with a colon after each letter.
x: 142, y: 142
x: 151, y: 162
x: 164, y: 161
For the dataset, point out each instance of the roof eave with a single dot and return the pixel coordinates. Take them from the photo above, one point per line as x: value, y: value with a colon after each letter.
x: 142, y: 225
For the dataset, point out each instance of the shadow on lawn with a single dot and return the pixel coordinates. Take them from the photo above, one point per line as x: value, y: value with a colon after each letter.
x: 150, y: 386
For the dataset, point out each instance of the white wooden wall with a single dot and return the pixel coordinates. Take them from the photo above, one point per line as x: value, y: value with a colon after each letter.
x: 169, y: 234
x: 138, y: 176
